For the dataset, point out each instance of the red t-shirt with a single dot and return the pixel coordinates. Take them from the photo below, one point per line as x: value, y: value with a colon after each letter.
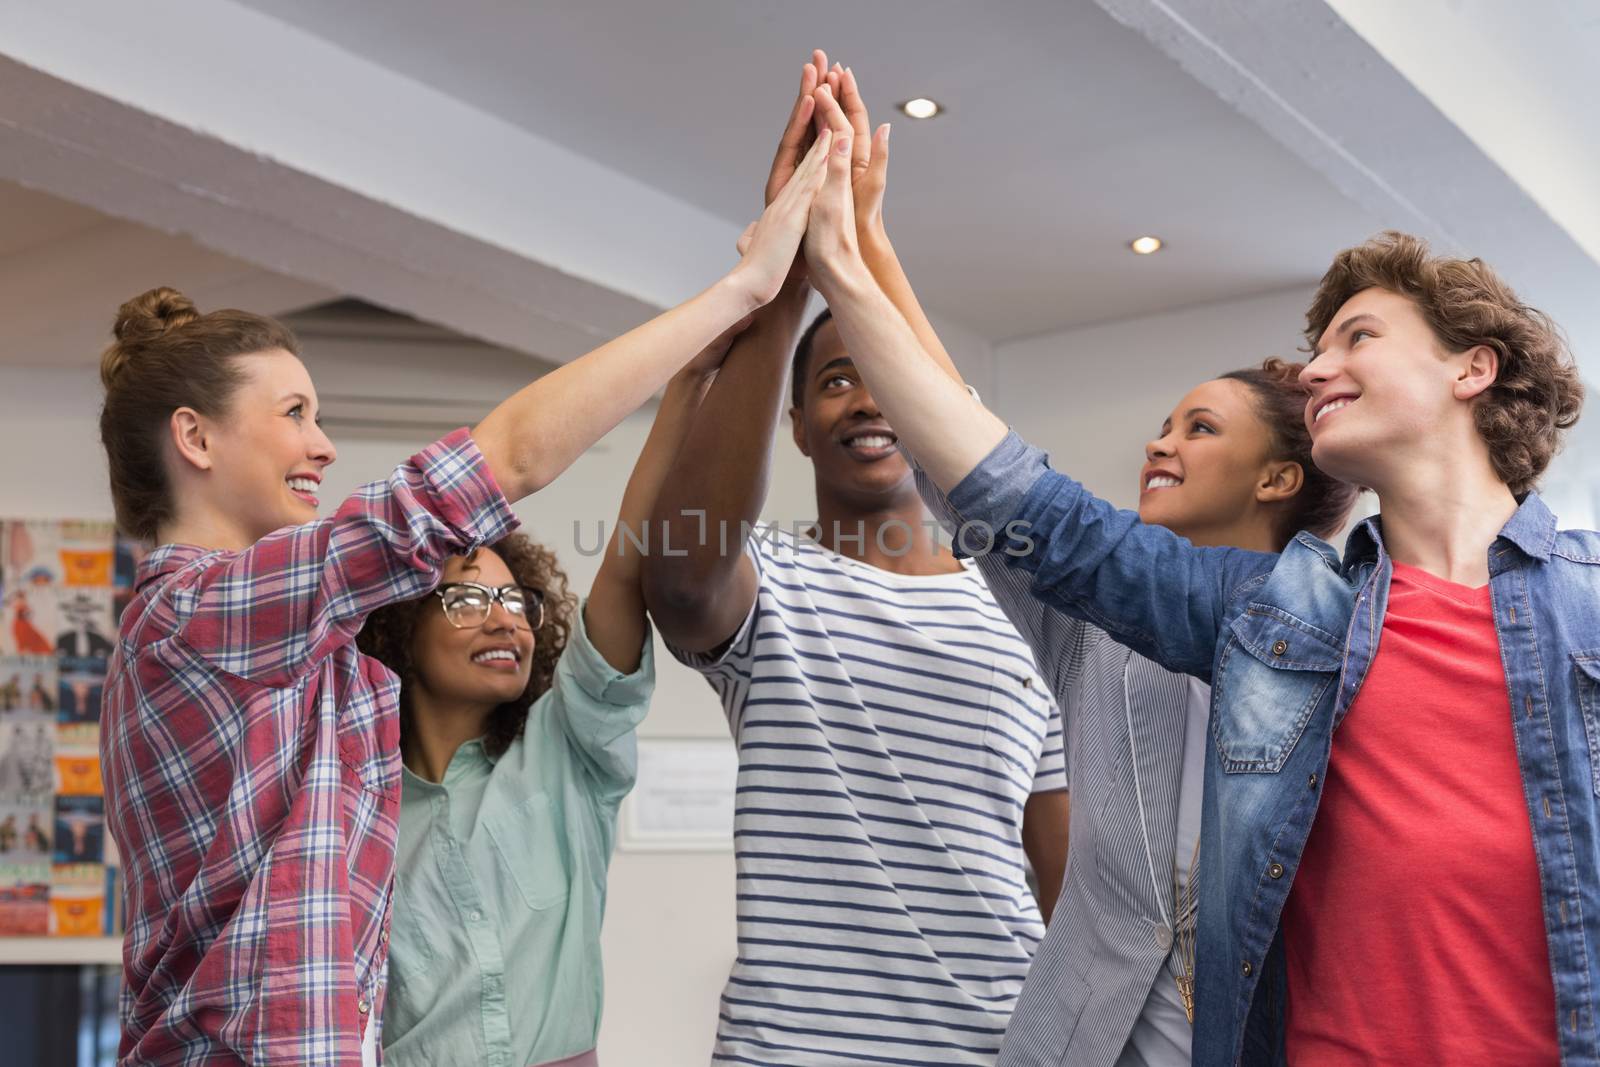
x: 1414, y: 931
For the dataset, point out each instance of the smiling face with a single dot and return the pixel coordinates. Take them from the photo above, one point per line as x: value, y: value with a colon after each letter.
x: 267, y: 454
x: 838, y: 425
x: 479, y: 667
x: 1383, y: 390
x: 1204, y: 474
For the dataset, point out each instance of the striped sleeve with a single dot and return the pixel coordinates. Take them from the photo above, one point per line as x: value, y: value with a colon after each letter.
x: 1051, y: 774
x: 732, y: 659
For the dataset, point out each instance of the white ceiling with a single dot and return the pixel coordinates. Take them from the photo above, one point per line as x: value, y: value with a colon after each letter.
x: 1066, y: 135
x: 65, y: 268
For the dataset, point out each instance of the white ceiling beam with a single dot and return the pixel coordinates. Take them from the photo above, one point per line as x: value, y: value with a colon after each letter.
x: 267, y: 143
x: 1298, y: 70
x: 44, y: 291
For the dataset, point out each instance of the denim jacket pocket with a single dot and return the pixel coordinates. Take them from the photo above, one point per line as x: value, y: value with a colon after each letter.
x: 525, y: 839
x: 1272, y: 672
x: 1588, y: 665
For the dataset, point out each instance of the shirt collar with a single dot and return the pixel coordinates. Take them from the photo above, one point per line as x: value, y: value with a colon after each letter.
x: 166, y: 559
x: 471, y: 756
x: 1531, y: 529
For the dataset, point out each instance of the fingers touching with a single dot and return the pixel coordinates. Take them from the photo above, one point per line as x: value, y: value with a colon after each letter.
x: 855, y: 112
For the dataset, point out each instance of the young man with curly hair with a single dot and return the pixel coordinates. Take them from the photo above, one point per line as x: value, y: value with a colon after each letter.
x: 1400, y: 845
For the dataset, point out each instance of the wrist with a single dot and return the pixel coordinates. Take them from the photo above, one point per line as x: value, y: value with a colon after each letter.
x: 687, y: 385
x: 743, y: 291
x: 874, y: 239
x: 794, y: 294
x: 844, y: 277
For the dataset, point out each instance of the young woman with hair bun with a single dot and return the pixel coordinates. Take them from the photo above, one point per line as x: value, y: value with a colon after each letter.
x: 250, y: 751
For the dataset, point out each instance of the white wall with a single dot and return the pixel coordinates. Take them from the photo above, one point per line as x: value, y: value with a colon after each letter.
x: 1093, y: 396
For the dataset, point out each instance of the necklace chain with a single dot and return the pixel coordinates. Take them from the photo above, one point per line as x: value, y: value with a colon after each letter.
x: 1184, y: 906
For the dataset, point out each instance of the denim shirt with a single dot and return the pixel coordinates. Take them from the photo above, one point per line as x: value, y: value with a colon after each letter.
x: 1285, y: 641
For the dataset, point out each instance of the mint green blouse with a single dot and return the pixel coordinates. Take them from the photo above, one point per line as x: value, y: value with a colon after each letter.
x: 494, y: 954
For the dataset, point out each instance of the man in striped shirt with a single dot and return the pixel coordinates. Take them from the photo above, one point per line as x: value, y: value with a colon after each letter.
x: 898, y: 754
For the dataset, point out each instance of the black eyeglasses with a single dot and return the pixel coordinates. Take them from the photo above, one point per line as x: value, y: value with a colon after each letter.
x: 467, y: 604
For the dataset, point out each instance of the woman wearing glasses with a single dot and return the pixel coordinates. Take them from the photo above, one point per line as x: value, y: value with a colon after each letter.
x: 518, y: 706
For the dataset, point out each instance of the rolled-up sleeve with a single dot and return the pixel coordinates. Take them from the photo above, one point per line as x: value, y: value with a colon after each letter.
x: 993, y: 492
x: 272, y: 611
x: 598, y: 708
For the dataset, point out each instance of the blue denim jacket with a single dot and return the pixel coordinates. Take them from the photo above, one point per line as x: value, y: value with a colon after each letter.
x: 1285, y: 641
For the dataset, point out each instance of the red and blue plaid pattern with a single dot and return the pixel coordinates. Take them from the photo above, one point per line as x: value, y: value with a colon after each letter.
x: 252, y: 768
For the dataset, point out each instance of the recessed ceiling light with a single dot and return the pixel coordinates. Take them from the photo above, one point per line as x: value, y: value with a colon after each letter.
x: 1145, y: 245
x: 921, y: 108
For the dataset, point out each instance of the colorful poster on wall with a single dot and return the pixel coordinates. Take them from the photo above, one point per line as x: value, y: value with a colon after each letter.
x: 62, y: 585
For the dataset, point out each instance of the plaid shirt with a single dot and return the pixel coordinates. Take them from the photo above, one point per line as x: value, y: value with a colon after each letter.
x: 252, y: 771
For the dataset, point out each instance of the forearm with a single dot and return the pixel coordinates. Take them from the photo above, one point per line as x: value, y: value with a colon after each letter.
x: 879, y: 255
x: 931, y: 412
x: 1150, y: 589
x: 717, y: 483
x: 1045, y: 821
x: 616, y: 608
x: 536, y: 434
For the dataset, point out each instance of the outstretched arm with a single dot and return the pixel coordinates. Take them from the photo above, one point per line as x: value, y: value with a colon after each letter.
x: 615, y: 612
x: 718, y: 483
x: 535, y: 435
x: 933, y: 415
x: 869, y: 177
x: 1149, y: 588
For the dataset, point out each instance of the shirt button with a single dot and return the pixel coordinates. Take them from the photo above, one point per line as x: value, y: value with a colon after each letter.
x: 384, y: 937
x: 363, y: 1005
x: 1248, y: 970
x: 1312, y: 781
x: 1027, y: 683
x: 477, y: 916
x: 1164, y: 937
x: 1279, y: 647
x: 1276, y: 870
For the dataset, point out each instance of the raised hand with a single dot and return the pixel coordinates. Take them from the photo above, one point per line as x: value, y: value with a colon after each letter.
x: 769, y: 246
x: 799, y: 133
x: 831, y: 246
x: 869, y: 157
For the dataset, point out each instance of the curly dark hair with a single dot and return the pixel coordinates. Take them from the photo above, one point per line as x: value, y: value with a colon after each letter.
x: 388, y: 634
x: 1323, y: 503
x: 1538, y: 394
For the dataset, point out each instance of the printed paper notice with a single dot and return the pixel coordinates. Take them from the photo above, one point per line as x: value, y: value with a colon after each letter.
x: 683, y: 801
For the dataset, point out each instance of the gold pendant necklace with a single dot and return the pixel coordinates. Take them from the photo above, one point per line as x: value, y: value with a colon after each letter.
x: 1184, y: 908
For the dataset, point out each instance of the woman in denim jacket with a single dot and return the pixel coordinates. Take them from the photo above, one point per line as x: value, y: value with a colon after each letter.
x: 1446, y: 905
